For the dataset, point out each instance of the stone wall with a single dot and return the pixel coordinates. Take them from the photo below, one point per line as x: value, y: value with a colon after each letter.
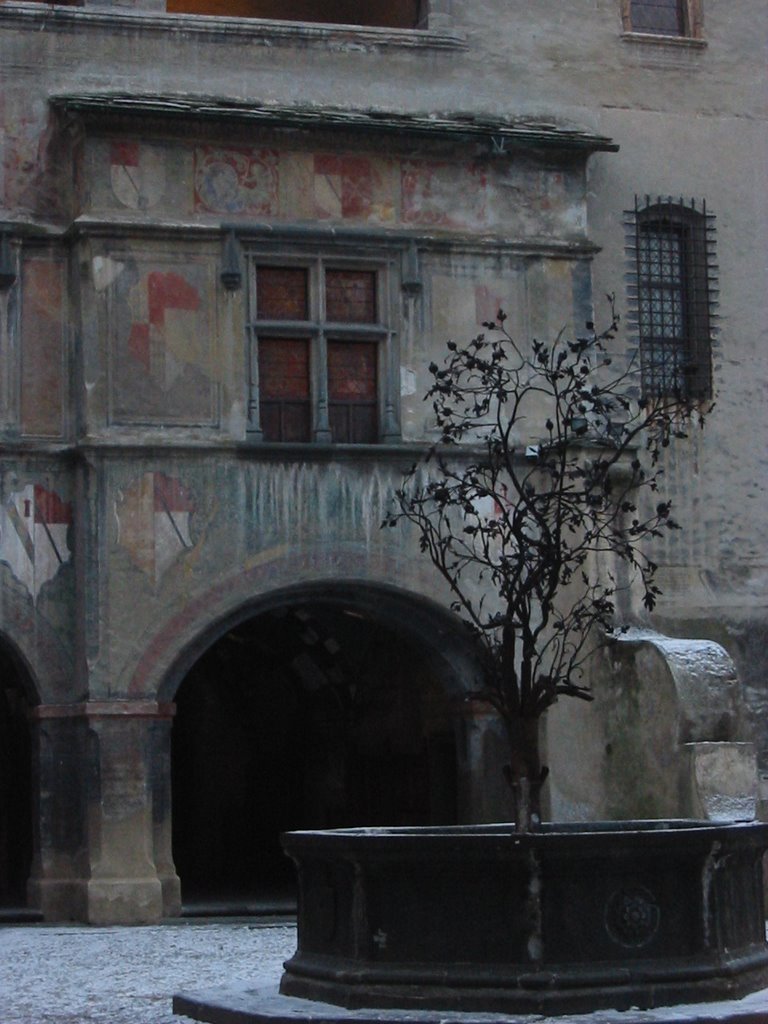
x: 149, y: 163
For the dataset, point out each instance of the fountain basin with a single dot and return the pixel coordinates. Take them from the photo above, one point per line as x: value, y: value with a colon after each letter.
x: 570, y: 918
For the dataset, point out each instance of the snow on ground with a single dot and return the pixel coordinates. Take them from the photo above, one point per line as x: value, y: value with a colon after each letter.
x: 80, y: 975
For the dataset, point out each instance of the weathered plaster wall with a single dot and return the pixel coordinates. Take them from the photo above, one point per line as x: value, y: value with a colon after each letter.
x: 131, y: 522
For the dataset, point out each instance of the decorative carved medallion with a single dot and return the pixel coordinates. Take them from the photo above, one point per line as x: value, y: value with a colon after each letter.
x: 632, y: 916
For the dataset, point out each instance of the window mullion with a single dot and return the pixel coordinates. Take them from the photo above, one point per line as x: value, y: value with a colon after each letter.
x: 253, y: 420
x: 320, y: 375
x: 322, y: 432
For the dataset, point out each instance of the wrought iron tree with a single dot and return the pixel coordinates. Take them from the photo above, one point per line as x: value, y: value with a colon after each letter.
x: 543, y: 484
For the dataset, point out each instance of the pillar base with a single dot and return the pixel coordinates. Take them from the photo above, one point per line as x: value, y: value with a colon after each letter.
x: 59, y: 899
x: 171, y: 889
x: 124, y: 901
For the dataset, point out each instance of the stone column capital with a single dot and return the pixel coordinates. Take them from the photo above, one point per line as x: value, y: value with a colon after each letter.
x: 95, y: 709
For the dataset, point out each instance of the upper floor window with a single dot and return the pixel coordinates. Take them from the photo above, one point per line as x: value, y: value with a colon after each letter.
x: 681, y: 18
x: 383, y: 13
x: 319, y: 341
x: 673, y: 271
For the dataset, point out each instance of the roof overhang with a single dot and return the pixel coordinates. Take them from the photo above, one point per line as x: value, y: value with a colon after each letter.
x: 500, y: 135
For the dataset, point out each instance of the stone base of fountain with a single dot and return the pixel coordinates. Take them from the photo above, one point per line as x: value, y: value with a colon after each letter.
x: 479, y: 919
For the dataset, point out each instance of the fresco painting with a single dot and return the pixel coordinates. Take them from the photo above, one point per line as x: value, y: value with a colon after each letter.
x: 42, y: 335
x: 137, y: 174
x: 348, y: 187
x: 34, y: 524
x: 237, y: 180
x: 36, y: 163
x: 429, y: 191
x: 162, y: 354
x: 153, y: 520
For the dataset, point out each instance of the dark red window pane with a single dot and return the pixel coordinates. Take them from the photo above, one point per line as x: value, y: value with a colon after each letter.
x: 350, y: 296
x: 352, y: 404
x: 281, y: 293
x: 665, y: 17
x: 284, y: 389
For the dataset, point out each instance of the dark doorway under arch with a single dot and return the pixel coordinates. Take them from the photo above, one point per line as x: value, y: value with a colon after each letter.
x: 15, y: 786
x: 311, y: 715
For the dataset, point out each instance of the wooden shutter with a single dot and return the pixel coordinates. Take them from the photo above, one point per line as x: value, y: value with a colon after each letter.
x: 352, y: 392
x: 284, y: 389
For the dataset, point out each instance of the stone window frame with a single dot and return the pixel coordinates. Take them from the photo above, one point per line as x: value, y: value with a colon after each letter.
x: 386, y: 263
x: 423, y: 10
x: 693, y: 36
x: 687, y: 296
x: 436, y: 18
x: 140, y: 17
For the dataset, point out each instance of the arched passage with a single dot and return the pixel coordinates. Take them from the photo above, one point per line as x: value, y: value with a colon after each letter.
x: 332, y: 707
x: 16, y: 833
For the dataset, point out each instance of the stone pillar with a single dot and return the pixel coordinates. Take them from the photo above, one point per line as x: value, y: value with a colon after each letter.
x: 59, y: 876
x: 103, y: 840
x: 160, y: 780
x: 124, y: 886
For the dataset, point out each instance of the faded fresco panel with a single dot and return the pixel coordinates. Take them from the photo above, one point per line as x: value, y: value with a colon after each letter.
x: 42, y: 350
x: 537, y: 201
x: 444, y: 195
x: 236, y: 179
x: 162, y: 327
x: 353, y: 187
x: 35, y: 174
x: 153, y: 520
x: 124, y: 175
x: 296, y: 186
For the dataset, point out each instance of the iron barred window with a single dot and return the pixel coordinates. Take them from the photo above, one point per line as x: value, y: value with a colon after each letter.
x: 671, y: 295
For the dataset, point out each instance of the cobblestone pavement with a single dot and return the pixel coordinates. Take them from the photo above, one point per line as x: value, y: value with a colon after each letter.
x: 80, y: 975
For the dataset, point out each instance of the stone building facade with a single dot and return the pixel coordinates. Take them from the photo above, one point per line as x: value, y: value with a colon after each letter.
x: 231, y: 246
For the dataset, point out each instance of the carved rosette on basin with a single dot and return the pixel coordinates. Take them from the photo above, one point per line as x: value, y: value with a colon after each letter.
x: 615, y: 914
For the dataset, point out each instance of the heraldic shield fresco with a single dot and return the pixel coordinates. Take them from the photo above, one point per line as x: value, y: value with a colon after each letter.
x: 153, y: 516
x: 34, y: 535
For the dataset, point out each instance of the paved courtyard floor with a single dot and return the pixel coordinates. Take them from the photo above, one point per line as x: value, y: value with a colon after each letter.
x: 80, y: 975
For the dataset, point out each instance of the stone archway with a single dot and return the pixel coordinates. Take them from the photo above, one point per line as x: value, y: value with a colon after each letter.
x: 324, y: 707
x: 16, y: 796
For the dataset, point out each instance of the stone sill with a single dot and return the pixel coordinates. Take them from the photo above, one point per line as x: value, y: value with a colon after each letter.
x: 157, y: 448
x: 153, y: 446
x: 252, y: 30
x: 683, y: 42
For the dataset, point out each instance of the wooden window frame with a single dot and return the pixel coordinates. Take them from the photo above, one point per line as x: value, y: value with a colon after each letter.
x: 692, y: 28
x: 672, y: 288
x: 319, y: 331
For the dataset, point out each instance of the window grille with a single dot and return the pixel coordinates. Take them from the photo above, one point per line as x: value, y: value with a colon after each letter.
x: 673, y: 283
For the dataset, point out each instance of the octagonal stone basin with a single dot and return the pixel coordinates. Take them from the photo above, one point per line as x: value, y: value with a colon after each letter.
x: 570, y: 918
